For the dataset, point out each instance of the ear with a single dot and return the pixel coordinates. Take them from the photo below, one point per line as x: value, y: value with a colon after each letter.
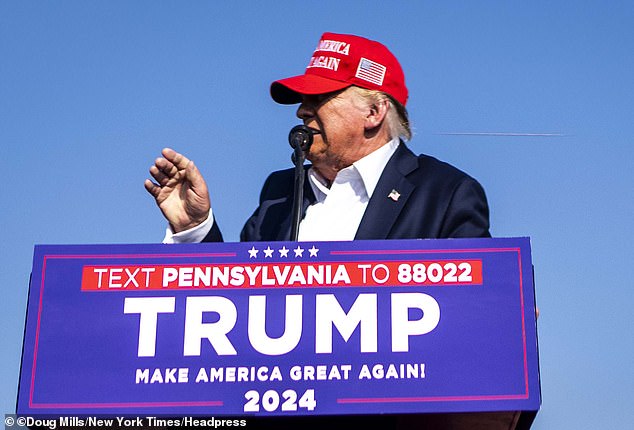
x: 376, y: 114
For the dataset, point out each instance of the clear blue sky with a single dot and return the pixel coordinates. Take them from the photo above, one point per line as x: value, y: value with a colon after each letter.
x: 90, y: 91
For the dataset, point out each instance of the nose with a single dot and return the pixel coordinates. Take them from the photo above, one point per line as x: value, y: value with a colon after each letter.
x: 306, y: 110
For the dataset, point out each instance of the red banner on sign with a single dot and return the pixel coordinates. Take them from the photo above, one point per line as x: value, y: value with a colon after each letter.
x: 279, y: 275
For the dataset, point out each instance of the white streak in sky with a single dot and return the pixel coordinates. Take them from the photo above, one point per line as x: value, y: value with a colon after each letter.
x: 459, y: 133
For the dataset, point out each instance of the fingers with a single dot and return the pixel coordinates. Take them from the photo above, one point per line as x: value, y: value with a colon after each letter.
x: 164, y: 167
x: 152, y: 188
x: 160, y: 176
x: 162, y: 171
x: 172, y: 169
x: 177, y: 159
x: 168, y: 166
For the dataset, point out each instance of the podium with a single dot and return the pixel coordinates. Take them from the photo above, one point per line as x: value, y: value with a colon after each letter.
x: 400, y: 334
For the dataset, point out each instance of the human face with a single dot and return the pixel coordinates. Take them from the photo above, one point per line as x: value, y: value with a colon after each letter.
x: 340, y: 118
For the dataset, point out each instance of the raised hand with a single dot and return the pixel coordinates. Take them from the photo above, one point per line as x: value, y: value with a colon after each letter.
x: 180, y: 190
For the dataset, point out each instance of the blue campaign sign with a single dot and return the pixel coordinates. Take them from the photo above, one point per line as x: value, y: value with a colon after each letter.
x: 281, y: 328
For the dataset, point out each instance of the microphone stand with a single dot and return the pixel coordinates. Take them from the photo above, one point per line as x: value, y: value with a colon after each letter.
x: 300, y: 139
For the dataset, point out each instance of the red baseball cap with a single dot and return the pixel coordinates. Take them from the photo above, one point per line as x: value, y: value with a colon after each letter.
x: 340, y: 61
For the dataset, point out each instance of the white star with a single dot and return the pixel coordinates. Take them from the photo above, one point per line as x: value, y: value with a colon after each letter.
x: 313, y: 251
x: 284, y: 252
x: 268, y: 252
x: 253, y: 252
x: 299, y: 251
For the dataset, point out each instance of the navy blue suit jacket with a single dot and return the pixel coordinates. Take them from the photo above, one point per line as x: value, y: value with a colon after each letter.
x: 436, y: 201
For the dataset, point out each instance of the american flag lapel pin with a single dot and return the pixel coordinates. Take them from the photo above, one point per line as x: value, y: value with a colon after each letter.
x: 394, y: 195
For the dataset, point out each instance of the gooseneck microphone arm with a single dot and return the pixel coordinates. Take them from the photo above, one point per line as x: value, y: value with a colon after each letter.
x: 300, y: 139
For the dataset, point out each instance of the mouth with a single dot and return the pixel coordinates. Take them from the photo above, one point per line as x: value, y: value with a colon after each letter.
x: 312, y: 130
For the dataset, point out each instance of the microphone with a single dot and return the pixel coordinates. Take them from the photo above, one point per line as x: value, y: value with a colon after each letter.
x: 301, y: 137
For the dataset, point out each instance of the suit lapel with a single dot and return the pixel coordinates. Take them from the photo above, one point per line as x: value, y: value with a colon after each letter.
x: 389, y: 197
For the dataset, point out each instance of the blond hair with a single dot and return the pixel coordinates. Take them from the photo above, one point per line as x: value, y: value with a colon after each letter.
x: 397, y: 119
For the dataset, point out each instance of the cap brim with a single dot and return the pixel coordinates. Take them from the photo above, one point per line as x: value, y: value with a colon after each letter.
x: 290, y: 90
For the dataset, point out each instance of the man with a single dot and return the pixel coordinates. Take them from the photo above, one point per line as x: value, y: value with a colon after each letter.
x: 364, y: 183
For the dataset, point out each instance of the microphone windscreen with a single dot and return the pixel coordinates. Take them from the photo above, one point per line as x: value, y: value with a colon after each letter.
x: 301, y: 136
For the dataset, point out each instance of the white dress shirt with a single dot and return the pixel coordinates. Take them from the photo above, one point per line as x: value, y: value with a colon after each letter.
x: 337, y: 211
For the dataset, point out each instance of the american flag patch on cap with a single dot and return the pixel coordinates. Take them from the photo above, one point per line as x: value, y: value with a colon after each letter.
x: 371, y: 71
